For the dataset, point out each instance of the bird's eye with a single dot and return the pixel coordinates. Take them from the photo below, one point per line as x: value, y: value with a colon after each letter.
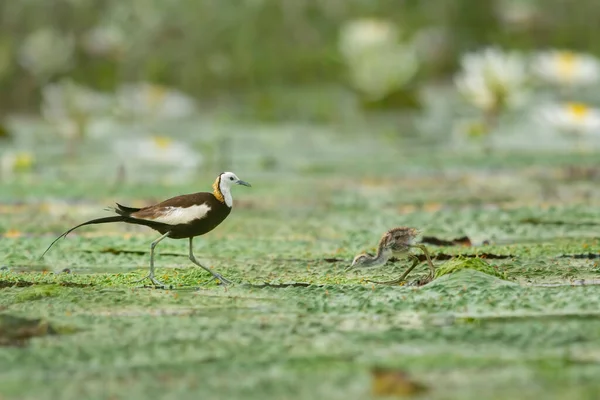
x: 231, y: 178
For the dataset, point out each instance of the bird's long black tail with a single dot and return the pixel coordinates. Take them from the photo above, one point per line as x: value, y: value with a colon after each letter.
x: 105, y: 220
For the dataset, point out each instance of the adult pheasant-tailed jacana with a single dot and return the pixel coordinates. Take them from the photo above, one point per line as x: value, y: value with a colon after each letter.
x: 181, y: 217
x: 395, y: 242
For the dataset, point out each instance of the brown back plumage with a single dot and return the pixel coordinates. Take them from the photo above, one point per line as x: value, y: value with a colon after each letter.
x: 144, y: 216
x: 183, y: 201
x: 398, y: 239
x: 218, y: 212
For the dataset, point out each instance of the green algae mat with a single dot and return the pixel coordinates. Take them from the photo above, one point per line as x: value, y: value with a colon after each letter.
x: 514, y: 311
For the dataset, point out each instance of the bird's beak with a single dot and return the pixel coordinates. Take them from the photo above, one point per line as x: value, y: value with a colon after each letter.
x: 349, y: 268
x: 241, y: 182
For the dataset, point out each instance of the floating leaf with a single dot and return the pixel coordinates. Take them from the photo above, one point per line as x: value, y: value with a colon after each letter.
x: 460, y: 263
x: 461, y: 241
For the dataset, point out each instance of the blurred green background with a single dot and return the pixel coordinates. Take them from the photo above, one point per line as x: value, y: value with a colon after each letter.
x: 214, y: 76
x: 252, y: 50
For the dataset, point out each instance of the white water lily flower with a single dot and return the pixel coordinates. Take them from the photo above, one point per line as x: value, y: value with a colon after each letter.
x: 562, y: 67
x: 364, y: 34
x: 382, y: 72
x: 492, y: 79
x: 159, y: 150
x: 576, y: 118
x: 65, y: 98
x: 69, y: 106
x: 149, y: 100
x: 517, y: 13
x: 378, y: 62
x: 46, y: 52
x: 12, y: 162
x: 104, y: 41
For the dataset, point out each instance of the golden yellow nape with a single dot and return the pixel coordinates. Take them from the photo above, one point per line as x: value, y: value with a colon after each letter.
x: 217, y: 190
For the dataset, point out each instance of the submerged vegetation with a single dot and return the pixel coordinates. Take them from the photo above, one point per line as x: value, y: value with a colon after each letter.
x: 461, y: 263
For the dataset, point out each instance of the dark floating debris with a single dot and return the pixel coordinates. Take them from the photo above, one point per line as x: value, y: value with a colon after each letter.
x: 578, y: 282
x: 284, y: 285
x: 444, y: 257
x: 439, y: 256
x: 589, y: 256
x: 461, y: 241
x: 21, y: 283
x: 539, y: 221
x: 112, y: 250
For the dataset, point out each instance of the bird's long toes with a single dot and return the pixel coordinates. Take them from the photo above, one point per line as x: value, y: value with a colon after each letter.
x: 157, y: 284
x: 395, y: 281
x: 221, y: 280
x: 143, y: 279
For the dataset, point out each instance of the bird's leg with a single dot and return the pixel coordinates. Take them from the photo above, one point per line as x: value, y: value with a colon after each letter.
x: 217, y: 276
x: 404, y: 275
x: 150, y: 276
x: 426, y: 252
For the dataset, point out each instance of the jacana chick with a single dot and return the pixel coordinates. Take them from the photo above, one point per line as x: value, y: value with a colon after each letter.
x: 395, y: 242
x: 180, y: 217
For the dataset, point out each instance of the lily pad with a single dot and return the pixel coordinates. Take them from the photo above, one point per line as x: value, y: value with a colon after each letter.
x: 460, y: 263
x: 467, y: 277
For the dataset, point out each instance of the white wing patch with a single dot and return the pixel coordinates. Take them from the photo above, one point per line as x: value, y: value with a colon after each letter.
x: 181, y: 215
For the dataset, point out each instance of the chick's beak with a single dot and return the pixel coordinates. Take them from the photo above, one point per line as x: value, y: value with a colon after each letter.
x: 241, y: 182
